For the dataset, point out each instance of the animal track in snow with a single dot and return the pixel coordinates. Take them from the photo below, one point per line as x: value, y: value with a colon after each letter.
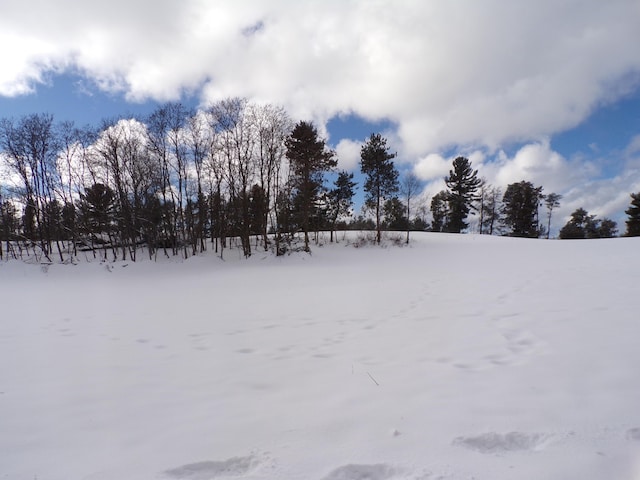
x: 523, y: 343
x: 498, y: 443
x: 245, y: 350
x: 633, y: 434
x: 232, y: 467
x: 362, y: 472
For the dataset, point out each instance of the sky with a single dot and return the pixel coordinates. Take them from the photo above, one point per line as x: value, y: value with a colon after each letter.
x: 546, y: 91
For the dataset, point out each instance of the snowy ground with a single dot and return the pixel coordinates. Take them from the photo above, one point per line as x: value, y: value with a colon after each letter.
x: 460, y: 357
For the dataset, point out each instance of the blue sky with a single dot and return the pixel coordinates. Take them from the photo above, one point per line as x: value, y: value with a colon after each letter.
x: 543, y: 91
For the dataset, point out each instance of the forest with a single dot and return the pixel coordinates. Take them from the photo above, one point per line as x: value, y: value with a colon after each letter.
x: 241, y: 174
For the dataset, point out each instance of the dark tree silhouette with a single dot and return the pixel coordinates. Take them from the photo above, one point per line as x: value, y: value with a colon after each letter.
x: 551, y: 201
x: 520, y: 209
x: 97, y: 209
x: 463, y: 182
x: 583, y: 225
x: 633, y: 222
x: 381, y: 176
x: 394, y: 215
x: 340, y: 199
x: 440, y: 211
x: 310, y: 159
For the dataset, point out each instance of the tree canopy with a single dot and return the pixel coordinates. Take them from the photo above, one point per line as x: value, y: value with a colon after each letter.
x: 520, y: 204
x: 381, y: 176
x: 462, y: 182
x: 583, y: 225
x: 633, y: 212
x: 310, y: 160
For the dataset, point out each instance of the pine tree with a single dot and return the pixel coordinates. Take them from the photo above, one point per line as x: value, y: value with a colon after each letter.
x: 376, y: 163
x: 633, y: 223
x: 340, y: 199
x: 440, y: 211
x: 575, y: 228
x: 97, y: 208
x: 463, y: 182
x: 520, y: 209
x: 309, y: 159
x: 395, y: 215
x: 583, y: 225
x: 608, y: 228
x: 551, y: 201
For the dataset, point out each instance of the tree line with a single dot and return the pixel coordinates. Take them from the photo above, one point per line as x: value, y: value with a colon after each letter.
x: 516, y: 212
x: 180, y: 181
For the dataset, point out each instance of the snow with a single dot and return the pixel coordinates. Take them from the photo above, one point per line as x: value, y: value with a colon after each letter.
x: 458, y: 357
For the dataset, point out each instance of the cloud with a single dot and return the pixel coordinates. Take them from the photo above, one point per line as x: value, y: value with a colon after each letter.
x: 447, y: 73
x: 466, y: 76
x: 537, y: 163
x: 578, y: 179
x: 348, y: 152
x: 432, y: 166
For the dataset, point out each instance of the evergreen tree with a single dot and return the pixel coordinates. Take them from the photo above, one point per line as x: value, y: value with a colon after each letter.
x: 463, y: 182
x: 309, y: 159
x: 376, y: 163
x: 9, y: 225
x: 69, y: 220
x: 258, y: 202
x: 440, y: 211
x: 551, y: 201
x: 633, y: 223
x: 520, y: 209
x: 97, y: 208
x: 583, y: 225
x: 608, y: 228
x: 340, y: 199
x: 394, y: 215
x: 575, y: 228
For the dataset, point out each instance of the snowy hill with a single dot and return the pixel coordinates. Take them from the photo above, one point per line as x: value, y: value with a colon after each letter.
x: 457, y: 357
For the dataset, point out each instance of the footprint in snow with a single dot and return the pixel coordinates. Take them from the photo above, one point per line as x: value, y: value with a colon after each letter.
x: 497, y: 443
x: 232, y: 467
x: 245, y: 350
x: 362, y: 472
x: 633, y: 434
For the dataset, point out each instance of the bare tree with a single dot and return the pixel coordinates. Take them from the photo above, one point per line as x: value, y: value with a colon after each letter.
x: 273, y: 126
x: 29, y: 146
x: 491, y: 210
x: 236, y: 143
x: 199, y: 141
x: 409, y: 187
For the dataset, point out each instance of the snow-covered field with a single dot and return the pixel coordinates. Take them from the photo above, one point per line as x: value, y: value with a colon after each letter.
x: 459, y: 357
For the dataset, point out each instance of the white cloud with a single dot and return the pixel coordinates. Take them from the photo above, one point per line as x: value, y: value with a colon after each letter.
x: 465, y: 73
x: 348, y: 152
x: 634, y: 146
x: 579, y: 182
x: 537, y: 163
x: 432, y: 166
